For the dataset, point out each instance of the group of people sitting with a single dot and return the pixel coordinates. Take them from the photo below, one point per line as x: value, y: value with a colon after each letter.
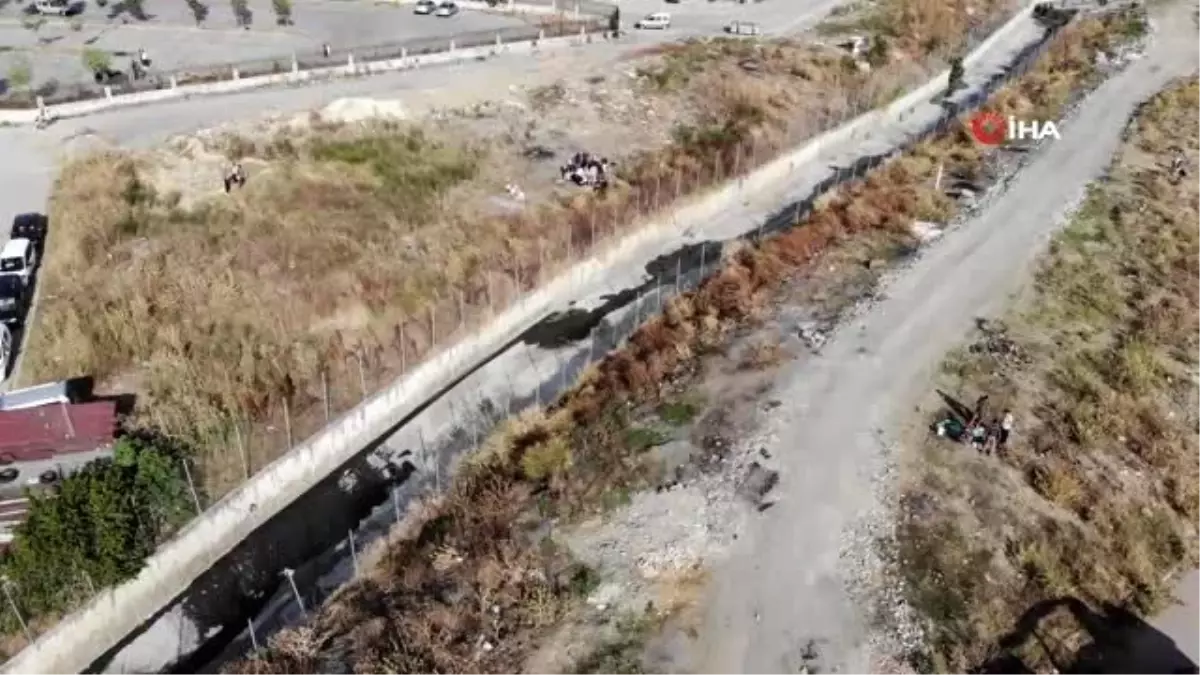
x: 586, y: 170
x: 986, y: 436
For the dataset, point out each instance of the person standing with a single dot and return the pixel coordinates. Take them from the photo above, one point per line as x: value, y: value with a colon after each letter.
x: 1006, y: 427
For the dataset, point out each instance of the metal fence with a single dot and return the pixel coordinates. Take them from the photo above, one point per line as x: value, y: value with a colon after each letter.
x: 53, y: 94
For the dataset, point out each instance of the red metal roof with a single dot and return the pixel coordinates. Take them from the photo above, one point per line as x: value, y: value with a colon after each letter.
x: 38, y: 433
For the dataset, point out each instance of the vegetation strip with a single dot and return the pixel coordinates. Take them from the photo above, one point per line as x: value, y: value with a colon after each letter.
x: 476, y: 566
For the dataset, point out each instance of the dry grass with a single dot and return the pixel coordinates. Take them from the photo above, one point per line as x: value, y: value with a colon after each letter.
x: 357, y: 249
x: 1096, y: 498
x: 427, y: 604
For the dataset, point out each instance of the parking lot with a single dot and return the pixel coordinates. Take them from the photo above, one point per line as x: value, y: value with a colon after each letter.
x: 51, y: 49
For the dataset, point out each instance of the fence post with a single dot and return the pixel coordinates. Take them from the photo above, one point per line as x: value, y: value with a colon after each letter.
x: 191, y: 485
x: 325, y: 393
x: 353, y: 551
x: 16, y: 611
x: 253, y: 637
x: 287, y: 422
x: 236, y: 75
x: 403, y: 350
x: 362, y: 375
x: 291, y: 577
x: 237, y: 436
x: 462, y: 310
x: 295, y: 64
x: 432, y: 328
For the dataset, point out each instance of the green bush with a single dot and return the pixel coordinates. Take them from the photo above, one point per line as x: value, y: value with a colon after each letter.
x: 98, y: 527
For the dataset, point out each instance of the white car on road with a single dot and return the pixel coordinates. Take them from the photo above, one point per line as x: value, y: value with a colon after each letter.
x: 446, y: 9
x: 425, y: 7
x: 18, y: 258
x: 655, y: 21
x: 52, y: 7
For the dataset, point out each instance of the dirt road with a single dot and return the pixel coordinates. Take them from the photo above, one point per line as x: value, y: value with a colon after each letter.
x: 781, y: 601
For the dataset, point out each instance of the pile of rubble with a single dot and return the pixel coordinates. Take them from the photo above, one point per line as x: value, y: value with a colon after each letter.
x: 995, y: 342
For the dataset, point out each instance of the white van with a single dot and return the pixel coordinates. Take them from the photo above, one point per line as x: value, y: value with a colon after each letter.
x: 18, y: 258
x: 655, y: 21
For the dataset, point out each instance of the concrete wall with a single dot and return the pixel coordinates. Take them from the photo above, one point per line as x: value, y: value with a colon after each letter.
x: 351, y: 69
x: 80, y: 638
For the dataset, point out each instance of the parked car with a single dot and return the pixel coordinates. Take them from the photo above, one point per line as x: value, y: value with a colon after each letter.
x: 742, y: 28
x: 18, y: 258
x: 52, y: 7
x: 15, y: 298
x: 446, y: 9
x: 31, y: 226
x: 425, y: 7
x: 655, y: 21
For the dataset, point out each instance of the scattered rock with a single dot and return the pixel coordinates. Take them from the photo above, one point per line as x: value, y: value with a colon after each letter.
x: 812, y: 335
x: 758, y: 482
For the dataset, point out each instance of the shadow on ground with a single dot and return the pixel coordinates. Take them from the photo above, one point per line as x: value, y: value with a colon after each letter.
x: 1120, y: 642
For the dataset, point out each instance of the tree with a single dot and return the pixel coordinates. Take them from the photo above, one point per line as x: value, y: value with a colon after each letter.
x: 614, y: 20
x: 97, y: 60
x: 20, y: 73
x: 283, y: 12
x: 242, y: 13
x: 199, y: 11
x: 101, y: 523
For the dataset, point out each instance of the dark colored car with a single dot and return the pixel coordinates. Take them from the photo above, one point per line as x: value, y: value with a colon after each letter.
x: 14, y: 299
x: 31, y: 226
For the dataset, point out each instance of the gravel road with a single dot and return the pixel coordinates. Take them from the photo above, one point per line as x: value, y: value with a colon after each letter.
x: 783, y: 596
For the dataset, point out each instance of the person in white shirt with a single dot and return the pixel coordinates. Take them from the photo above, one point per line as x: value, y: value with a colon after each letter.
x: 1006, y: 427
